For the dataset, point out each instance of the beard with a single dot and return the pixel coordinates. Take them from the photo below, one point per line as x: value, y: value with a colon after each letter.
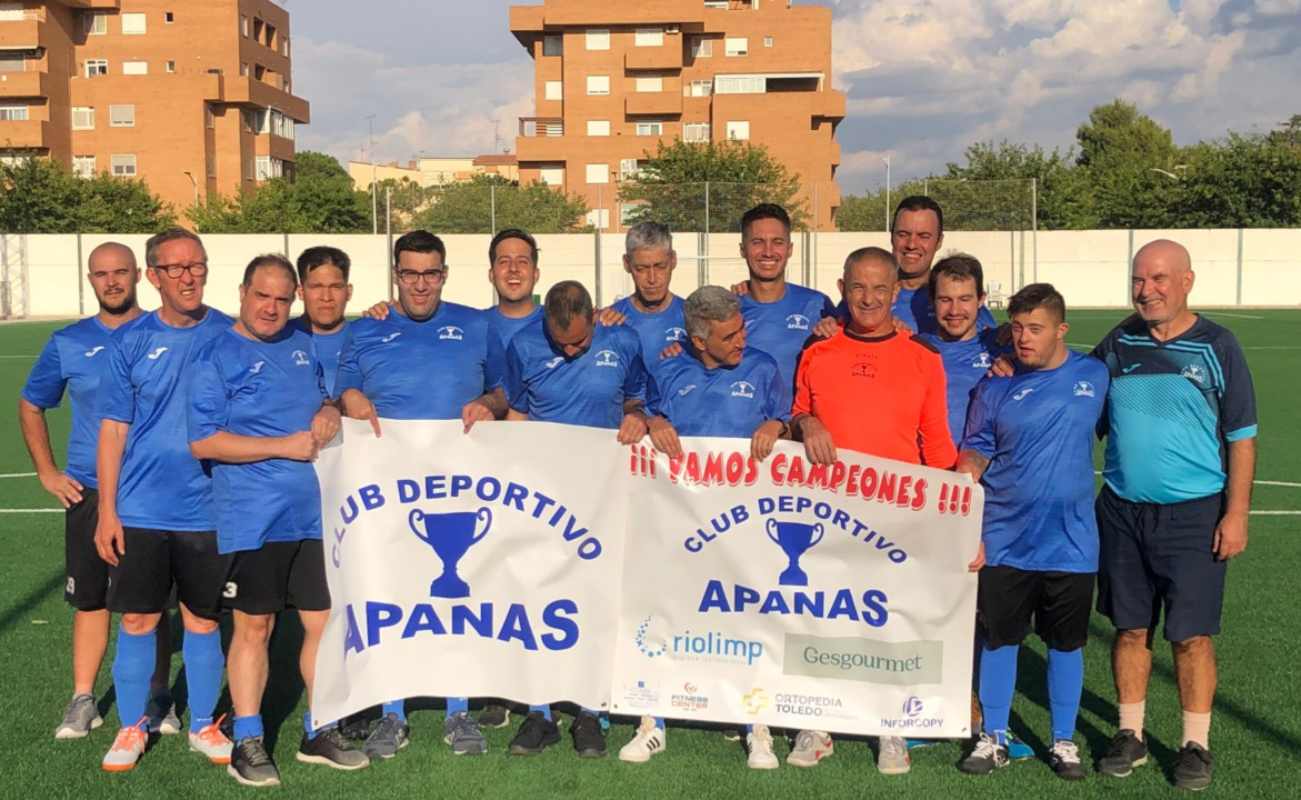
x: 127, y: 303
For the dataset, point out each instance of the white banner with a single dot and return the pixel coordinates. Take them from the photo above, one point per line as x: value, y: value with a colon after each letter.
x: 782, y: 593
x: 485, y: 564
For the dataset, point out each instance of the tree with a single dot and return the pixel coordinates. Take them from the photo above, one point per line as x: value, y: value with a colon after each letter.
x: 1245, y: 181
x: 1001, y: 183
x: 42, y: 196
x: 471, y: 207
x: 1125, y: 154
x: 671, y: 186
x: 405, y: 198
x: 319, y: 198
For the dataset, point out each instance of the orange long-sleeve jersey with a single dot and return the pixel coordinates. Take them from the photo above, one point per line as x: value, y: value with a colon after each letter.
x: 883, y: 396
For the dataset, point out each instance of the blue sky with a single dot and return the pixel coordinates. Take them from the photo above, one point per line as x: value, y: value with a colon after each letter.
x: 925, y: 78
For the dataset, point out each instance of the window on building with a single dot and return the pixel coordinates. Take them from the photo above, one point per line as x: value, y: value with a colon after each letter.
x: 243, y: 69
x: 553, y: 44
x: 11, y: 12
x: 133, y: 24
x: 279, y: 125
x: 767, y: 41
x: 598, y: 173
x: 12, y: 62
x: 701, y: 88
x: 95, y: 23
x: 599, y: 218
x: 83, y: 118
x: 124, y: 165
x: 135, y: 67
x: 267, y: 168
x: 248, y: 120
x: 552, y: 176
x: 702, y: 47
x: 168, y: 17
x: 736, y: 46
x: 650, y: 84
x: 123, y: 116
x: 628, y: 169
x: 169, y: 66
x: 650, y: 128
x: 271, y: 37
x: 598, y: 38
x: 243, y: 26
x: 598, y: 127
x: 695, y: 132
x: 554, y: 90
x: 257, y: 29
x: 598, y: 84
x: 13, y: 113
x: 649, y: 37
x: 738, y: 130
x: 96, y: 66
x: 259, y: 72
x: 741, y: 84
x: 83, y: 166
x: 284, y: 46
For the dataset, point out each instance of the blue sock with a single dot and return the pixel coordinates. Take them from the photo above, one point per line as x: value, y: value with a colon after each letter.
x: 249, y: 727
x: 1065, y: 685
x: 398, y: 707
x: 659, y: 723
x: 458, y: 705
x: 545, y: 711
x: 997, y: 685
x: 311, y: 730
x: 133, y: 665
x: 204, y: 662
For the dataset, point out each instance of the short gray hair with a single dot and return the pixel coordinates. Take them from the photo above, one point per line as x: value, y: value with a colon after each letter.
x: 706, y: 305
x: 170, y: 235
x: 877, y: 254
x: 565, y: 301
x: 647, y: 234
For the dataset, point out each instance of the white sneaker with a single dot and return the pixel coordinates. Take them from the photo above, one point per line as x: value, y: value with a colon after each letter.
x: 810, y: 748
x: 79, y: 718
x: 212, y: 743
x: 893, y: 759
x: 759, y: 742
x: 126, y: 750
x: 162, y: 715
x: 650, y: 739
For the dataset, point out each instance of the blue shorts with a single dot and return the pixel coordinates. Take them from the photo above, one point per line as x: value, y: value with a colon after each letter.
x: 1156, y: 558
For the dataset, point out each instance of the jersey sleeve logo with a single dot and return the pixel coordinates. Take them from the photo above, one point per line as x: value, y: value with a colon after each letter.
x: 156, y: 354
x: 92, y: 351
x: 743, y: 389
x: 390, y: 337
x: 256, y: 368
x: 675, y: 334
x: 686, y: 390
x: 1083, y: 389
x: 300, y: 358
x: 1130, y: 368
x: 797, y: 322
x: 451, y: 333
x: 1022, y: 394
x: 555, y: 362
x: 607, y: 358
x: 1194, y: 373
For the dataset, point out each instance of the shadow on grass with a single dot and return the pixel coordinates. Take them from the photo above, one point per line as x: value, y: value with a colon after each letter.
x: 31, y: 600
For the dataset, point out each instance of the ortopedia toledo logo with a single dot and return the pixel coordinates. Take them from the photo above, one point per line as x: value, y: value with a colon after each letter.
x: 755, y: 701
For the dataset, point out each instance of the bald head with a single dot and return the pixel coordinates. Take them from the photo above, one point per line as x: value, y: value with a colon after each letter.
x: 1161, y: 280
x: 1166, y: 251
x: 112, y: 251
x: 113, y: 275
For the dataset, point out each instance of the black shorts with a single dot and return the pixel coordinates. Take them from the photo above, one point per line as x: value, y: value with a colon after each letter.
x: 276, y: 576
x: 87, y: 578
x: 156, y: 560
x: 1156, y: 557
x: 1059, y: 603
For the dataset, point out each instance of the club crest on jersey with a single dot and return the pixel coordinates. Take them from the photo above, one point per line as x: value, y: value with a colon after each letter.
x: 863, y: 369
x: 1021, y: 395
x: 607, y: 358
x: 451, y: 332
x: 675, y: 334
x: 300, y: 358
x: 390, y: 337
x: 686, y: 390
x: 982, y: 361
x: 1194, y: 373
x: 743, y: 389
x: 555, y: 362
x: 797, y: 322
x: 1083, y: 389
x: 92, y: 351
x: 256, y: 368
x: 156, y: 354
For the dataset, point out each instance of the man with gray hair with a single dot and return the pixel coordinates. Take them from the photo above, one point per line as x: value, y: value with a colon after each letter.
x: 652, y: 310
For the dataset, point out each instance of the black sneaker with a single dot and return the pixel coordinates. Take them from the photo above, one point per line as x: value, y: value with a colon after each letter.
x: 1064, y: 758
x: 1193, y: 769
x: 494, y: 715
x: 331, y: 748
x: 589, y: 739
x: 251, y: 764
x: 1126, y: 752
x: 536, y: 734
x: 987, y: 756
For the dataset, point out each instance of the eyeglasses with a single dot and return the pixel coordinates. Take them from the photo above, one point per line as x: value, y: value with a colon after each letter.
x: 197, y: 268
x: 410, y: 277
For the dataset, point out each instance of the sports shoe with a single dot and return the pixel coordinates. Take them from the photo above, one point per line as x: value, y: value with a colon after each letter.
x: 127, y: 749
x: 650, y: 739
x: 589, y: 737
x: 1126, y: 752
x: 893, y: 758
x: 987, y: 756
x: 494, y: 715
x: 212, y: 742
x: 331, y: 748
x: 79, y: 718
x: 1064, y: 758
x: 1018, y: 750
x: 461, y: 731
x: 251, y: 764
x: 389, y: 735
x: 1193, y: 769
x: 918, y: 744
x: 162, y: 715
x: 759, y: 743
x: 810, y: 748
x: 535, y: 734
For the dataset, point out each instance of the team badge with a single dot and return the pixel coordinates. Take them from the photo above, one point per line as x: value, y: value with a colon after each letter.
x: 451, y: 333
x: 797, y: 322
x: 743, y: 389
x: 607, y: 358
x: 1083, y: 389
x: 1194, y: 373
x: 300, y: 358
x: 675, y: 335
x: 982, y: 361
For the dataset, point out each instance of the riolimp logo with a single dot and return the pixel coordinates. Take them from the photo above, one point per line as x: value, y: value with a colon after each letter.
x: 687, y: 645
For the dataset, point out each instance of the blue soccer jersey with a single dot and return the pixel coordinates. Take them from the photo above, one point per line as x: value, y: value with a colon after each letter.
x: 76, y: 358
x: 723, y: 401
x: 161, y: 485
x: 588, y: 389
x: 422, y: 370
x: 1172, y: 410
x: 328, y: 348
x: 781, y: 328
x: 506, y: 327
x: 913, y: 308
x: 1037, y: 430
x: 965, y: 363
x: 657, y: 330
x: 253, y: 388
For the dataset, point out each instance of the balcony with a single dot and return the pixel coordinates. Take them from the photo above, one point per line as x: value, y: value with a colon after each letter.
x: 829, y: 104
x: 24, y: 84
x: 25, y: 135
x: 530, y: 127
x: 656, y: 103
x: 589, y: 14
x: 667, y: 56
x: 542, y: 139
x: 27, y: 33
x: 248, y: 91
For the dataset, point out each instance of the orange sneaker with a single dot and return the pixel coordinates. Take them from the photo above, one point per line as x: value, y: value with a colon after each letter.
x: 212, y: 742
x: 127, y: 748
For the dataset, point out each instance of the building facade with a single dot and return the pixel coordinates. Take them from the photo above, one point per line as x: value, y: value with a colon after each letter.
x: 194, y: 97
x: 429, y: 170
x: 612, y: 80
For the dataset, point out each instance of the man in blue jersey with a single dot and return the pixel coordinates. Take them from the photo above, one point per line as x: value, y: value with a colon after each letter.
x: 156, y: 521
x: 513, y: 273
x: 565, y: 368
x: 384, y: 371
x: 258, y: 413
x: 916, y: 233
x: 652, y: 310
x: 75, y: 360
x: 325, y: 291
x: 1029, y: 441
x: 1181, y: 454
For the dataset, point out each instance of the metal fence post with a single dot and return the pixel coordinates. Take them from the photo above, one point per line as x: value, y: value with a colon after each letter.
x: 492, y: 209
x: 1034, y: 226
x: 81, y: 285
x: 1241, y: 236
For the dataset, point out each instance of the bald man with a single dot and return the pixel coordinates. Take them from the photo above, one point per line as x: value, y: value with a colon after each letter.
x: 1181, y: 451
x: 73, y: 360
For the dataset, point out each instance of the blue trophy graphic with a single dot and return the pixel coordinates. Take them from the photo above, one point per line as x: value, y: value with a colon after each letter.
x: 450, y: 535
x: 794, y: 538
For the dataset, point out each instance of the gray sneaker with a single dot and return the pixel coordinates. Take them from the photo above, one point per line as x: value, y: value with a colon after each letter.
x: 893, y: 758
x: 494, y: 716
x: 389, y: 735
x: 161, y: 712
x: 462, y: 732
x: 251, y: 764
x: 79, y: 718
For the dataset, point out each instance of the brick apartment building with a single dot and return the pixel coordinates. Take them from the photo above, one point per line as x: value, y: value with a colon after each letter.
x: 193, y: 97
x: 612, y: 79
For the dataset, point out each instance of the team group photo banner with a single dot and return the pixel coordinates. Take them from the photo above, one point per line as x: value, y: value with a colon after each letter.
x: 832, y: 598
x: 485, y: 564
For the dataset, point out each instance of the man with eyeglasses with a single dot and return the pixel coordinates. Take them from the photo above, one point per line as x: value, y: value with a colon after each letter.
x: 384, y: 371
x: 156, y: 518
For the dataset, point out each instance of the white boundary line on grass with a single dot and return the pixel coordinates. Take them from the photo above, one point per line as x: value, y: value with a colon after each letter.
x: 19, y: 475
x: 1227, y: 314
